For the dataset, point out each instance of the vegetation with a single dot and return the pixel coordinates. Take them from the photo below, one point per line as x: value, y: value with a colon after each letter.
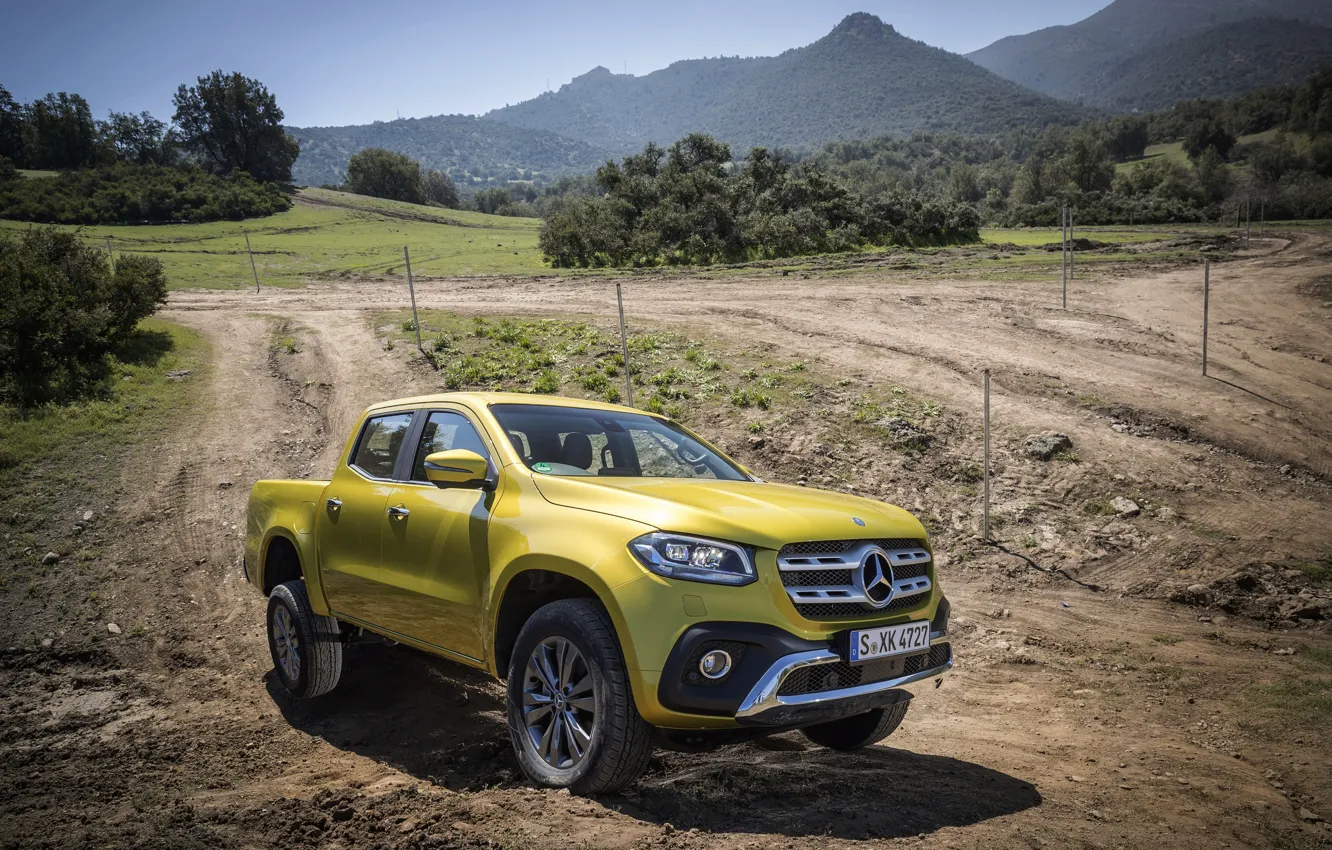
x: 863, y: 79
x: 384, y: 174
x: 328, y: 235
x: 1135, y: 56
x: 229, y: 122
x: 119, y: 193
x: 684, y: 205
x: 66, y: 311
x: 474, y: 153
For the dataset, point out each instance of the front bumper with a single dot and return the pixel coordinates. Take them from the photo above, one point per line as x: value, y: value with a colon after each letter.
x: 765, y: 705
x: 781, y: 680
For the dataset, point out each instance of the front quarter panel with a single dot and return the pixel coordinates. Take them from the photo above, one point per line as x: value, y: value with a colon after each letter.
x: 284, y: 509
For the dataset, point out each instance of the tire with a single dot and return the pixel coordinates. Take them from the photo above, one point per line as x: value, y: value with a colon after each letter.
x: 315, y: 641
x: 616, y: 749
x: 860, y: 730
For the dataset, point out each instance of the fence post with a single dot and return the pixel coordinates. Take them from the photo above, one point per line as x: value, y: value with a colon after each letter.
x: 1071, y: 254
x: 1262, y: 221
x: 109, y: 256
x: 1063, y: 249
x: 1248, y: 221
x: 985, y: 509
x: 411, y: 289
x: 1207, y: 286
x: 624, y: 349
x: 254, y: 270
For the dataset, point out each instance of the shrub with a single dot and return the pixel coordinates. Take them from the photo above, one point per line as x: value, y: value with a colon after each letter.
x: 120, y: 194
x: 65, y: 312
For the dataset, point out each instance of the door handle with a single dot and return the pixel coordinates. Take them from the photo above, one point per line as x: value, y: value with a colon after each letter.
x: 398, y: 513
x: 333, y: 503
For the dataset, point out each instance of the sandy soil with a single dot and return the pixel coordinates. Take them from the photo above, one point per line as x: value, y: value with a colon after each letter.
x: 1076, y: 716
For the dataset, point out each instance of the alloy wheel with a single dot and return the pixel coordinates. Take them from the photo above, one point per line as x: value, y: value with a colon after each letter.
x: 559, y: 703
x: 288, y: 643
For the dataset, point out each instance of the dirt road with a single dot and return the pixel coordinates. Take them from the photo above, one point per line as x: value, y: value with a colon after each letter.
x: 1075, y: 717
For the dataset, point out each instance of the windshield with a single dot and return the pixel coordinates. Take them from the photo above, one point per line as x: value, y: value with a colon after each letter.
x: 575, y: 441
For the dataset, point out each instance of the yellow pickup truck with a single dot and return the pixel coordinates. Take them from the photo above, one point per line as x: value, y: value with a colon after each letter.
x: 632, y: 585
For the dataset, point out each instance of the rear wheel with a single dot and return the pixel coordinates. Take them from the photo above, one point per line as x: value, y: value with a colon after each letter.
x: 572, y: 717
x: 861, y: 730
x: 306, y: 647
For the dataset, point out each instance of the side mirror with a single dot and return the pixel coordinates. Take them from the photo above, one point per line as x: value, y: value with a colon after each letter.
x: 456, y: 467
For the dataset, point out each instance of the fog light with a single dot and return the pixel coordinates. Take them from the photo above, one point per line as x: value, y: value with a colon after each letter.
x: 715, y: 664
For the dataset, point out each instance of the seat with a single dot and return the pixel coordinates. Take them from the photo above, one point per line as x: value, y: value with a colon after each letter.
x: 577, y: 450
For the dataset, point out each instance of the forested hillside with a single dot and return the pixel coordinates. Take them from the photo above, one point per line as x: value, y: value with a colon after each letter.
x: 473, y: 151
x: 862, y: 79
x: 1085, y: 62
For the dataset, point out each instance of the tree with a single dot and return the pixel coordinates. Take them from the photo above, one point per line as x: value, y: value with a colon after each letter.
x: 1086, y: 162
x: 383, y: 173
x: 964, y: 183
x: 1126, y: 138
x: 230, y: 122
x: 139, y: 139
x: 1213, y: 178
x: 65, y: 312
x: 59, y: 132
x: 1207, y: 133
x: 492, y: 201
x: 11, y: 128
x: 1322, y: 123
x: 439, y: 189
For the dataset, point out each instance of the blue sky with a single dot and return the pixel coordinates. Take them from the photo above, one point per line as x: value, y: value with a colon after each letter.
x: 345, y: 62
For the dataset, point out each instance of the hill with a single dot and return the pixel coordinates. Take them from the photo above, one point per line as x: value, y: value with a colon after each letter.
x: 862, y: 79
x: 1218, y: 64
x: 1079, y: 62
x: 472, y: 150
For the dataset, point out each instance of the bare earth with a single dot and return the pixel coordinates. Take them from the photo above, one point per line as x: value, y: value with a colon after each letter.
x: 1076, y: 716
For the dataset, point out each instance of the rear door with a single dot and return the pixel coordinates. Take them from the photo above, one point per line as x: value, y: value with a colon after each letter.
x: 353, y: 514
x: 435, y: 557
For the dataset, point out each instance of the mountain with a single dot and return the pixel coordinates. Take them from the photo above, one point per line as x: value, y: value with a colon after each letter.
x: 862, y: 79
x: 470, y: 149
x: 1219, y: 64
x: 1078, y: 62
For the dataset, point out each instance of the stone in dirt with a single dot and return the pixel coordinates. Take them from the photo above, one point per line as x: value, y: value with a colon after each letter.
x: 906, y: 434
x: 1309, y: 816
x: 113, y: 628
x: 1046, y: 446
x: 50, y: 558
x: 1125, y: 507
x: 1194, y: 594
x: 223, y: 485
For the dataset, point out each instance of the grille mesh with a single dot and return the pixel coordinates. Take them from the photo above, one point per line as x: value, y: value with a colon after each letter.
x: 816, y: 578
x: 843, y: 610
x: 839, y: 674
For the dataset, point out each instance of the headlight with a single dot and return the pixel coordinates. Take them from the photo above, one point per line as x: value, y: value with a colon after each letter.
x: 694, y: 558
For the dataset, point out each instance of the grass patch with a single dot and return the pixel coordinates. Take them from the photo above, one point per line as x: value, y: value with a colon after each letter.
x: 1319, y: 571
x: 1305, y: 700
x: 329, y: 235
x: 1168, y: 640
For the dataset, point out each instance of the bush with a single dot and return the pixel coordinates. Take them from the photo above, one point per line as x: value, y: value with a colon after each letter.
x: 123, y: 194
x: 65, y: 311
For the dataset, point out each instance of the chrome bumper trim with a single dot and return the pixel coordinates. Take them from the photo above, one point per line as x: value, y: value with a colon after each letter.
x: 763, y: 696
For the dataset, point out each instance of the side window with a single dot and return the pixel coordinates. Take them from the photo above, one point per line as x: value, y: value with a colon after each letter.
x: 444, y: 431
x: 381, y: 441
x: 663, y: 457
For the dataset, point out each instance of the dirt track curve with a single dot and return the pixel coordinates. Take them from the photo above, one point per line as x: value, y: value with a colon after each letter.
x: 1075, y: 718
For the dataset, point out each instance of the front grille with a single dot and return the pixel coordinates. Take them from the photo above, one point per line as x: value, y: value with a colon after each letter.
x: 815, y: 578
x: 844, y: 610
x: 839, y: 674
x: 820, y: 576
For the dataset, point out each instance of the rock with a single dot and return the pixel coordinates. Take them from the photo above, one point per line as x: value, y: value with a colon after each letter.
x: 224, y: 485
x: 756, y: 442
x: 47, y: 643
x: 50, y: 558
x: 1125, y: 507
x: 113, y: 628
x: 668, y: 828
x: 1306, y: 815
x: 1166, y: 515
x: 88, y: 516
x: 1288, y: 650
x: 905, y: 434
x: 178, y: 374
x: 1194, y: 594
x: 1046, y: 446
x: 343, y: 813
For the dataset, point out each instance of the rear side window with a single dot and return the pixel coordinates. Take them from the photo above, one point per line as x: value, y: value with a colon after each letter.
x: 445, y: 431
x: 380, y: 444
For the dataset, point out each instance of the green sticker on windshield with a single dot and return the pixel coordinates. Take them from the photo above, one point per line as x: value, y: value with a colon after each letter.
x: 541, y: 467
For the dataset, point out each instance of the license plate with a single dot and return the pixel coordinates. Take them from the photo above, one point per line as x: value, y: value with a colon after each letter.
x: 887, y: 641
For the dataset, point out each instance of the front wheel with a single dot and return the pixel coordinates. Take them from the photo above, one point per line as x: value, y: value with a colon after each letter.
x: 572, y: 717
x: 861, y: 730
x: 306, y: 647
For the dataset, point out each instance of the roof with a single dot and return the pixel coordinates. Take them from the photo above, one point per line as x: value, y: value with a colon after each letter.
x: 482, y: 400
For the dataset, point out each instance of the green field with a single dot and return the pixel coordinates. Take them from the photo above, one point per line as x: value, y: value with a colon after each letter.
x: 1027, y: 237
x: 36, y: 172
x: 328, y: 235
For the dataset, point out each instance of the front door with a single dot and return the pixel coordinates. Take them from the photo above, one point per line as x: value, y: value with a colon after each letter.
x: 435, y: 558
x: 351, y: 519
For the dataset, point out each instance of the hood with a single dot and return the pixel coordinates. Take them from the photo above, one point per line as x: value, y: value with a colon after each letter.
x: 763, y: 515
